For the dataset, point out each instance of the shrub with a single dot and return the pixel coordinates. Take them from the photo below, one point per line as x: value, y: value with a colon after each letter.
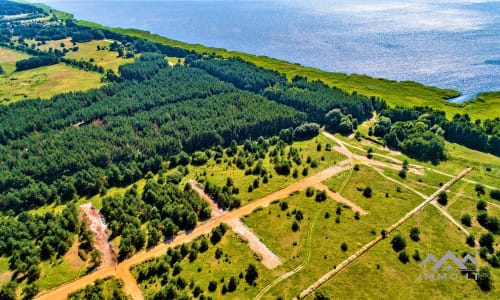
x: 414, y: 234
x: 443, y: 198
x: 470, y: 240
x: 212, y: 286
x: 484, y: 279
x: 309, y: 192
x: 343, y: 247
x: 495, y: 194
x: 295, y: 226
x: 367, y: 192
x: 466, y: 220
x: 416, y: 255
x: 398, y: 243
x: 481, y: 205
x: 403, y: 257
x: 251, y: 274
x: 321, y: 295
x: 487, y: 240
x: 320, y: 196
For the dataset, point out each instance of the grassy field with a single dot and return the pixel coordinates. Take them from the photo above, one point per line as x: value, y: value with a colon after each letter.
x: 104, y: 58
x: 326, y: 235
x: 404, y: 93
x: 8, y: 60
x: 380, y: 275
x: 45, y: 82
x: 88, y: 51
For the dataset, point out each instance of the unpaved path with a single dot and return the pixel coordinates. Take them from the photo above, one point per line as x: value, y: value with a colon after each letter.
x: 372, y: 243
x: 198, y: 188
x: 101, y: 237
x: 339, y: 198
x: 269, y: 259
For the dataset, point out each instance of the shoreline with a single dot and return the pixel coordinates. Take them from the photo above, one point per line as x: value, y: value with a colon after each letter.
x: 395, y: 93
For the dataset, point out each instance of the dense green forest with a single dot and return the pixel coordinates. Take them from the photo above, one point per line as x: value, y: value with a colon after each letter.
x: 151, y: 116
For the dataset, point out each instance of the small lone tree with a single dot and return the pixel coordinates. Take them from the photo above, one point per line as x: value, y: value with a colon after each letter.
x: 484, y: 279
x: 343, y: 247
x: 414, y: 234
x: 403, y: 257
x: 470, y: 240
x: 443, y: 198
x: 480, y: 189
x: 466, y: 220
x: 367, y: 192
x: 251, y: 274
x: 481, y: 205
x: 398, y: 243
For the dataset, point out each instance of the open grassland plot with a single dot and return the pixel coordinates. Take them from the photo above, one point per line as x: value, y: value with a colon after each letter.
x: 485, y: 104
x: 45, y: 82
x: 379, y: 274
x: 217, y: 173
x: 8, y: 60
x: 405, y: 93
x: 96, y: 200
x: 384, y: 192
x: 486, y: 166
x: 87, y: 52
x: 235, y: 258
x: 5, y: 273
x: 318, y: 243
x: 51, y: 44
x: 58, y: 271
x: 103, y: 58
x: 427, y: 183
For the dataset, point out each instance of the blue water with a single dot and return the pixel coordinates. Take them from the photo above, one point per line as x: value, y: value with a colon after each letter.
x: 451, y: 44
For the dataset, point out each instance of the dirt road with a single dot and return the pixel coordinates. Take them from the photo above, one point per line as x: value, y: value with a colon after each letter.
x: 269, y: 259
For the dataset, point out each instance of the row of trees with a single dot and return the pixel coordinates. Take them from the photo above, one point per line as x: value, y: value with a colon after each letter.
x: 35, y: 62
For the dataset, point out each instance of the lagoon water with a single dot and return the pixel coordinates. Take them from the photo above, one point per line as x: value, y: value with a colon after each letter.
x: 445, y: 43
